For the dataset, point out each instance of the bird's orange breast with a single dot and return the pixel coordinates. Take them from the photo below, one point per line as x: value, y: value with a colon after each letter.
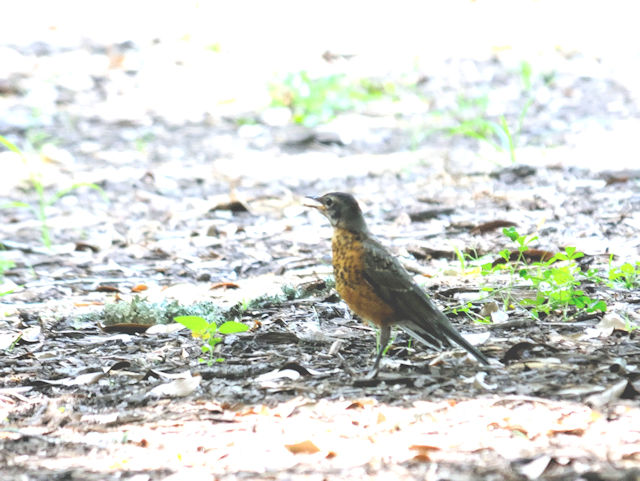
x: 349, y: 269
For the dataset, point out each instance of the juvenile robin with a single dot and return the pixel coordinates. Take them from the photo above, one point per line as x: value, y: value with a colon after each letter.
x: 375, y: 285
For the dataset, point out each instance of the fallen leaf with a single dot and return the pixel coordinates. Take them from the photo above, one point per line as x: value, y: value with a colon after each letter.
x: 103, y: 288
x: 233, y: 206
x: 521, y: 350
x: 427, y: 214
x: 479, y: 381
x: 269, y: 379
x: 126, y: 328
x: 85, y: 379
x: 530, y: 255
x: 81, y: 380
x: 492, y: 225
x: 361, y: 404
x: 304, y: 447
x: 178, y: 388
x: 84, y: 246
x: 534, y: 469
x: 489, y: 308
x: 612, y: 393
x: 499, y: 317
x: 165, y: 328
x: 336, y: 347
x: 423, y: 452
x: 612, y: 321
x: 31, y: 334
x: 224, y: 285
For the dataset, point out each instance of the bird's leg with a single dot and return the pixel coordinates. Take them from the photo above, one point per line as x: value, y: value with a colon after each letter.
x: 385, y: 335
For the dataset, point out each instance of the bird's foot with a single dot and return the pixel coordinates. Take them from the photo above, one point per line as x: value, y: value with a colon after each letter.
x: 373, y: 373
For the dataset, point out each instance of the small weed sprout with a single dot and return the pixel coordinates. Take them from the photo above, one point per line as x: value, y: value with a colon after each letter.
x: 318, y: 100
x: 467, y: 310
x: 627, y: 275
x: 557, y: 282
x: 498, y: 134
x: 210, y: 333
x: 5, y: 265
x: 514, y: 267
x: 39, y: 209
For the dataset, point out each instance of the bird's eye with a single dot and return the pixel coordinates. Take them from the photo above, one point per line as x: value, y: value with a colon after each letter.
x: 328, y: 202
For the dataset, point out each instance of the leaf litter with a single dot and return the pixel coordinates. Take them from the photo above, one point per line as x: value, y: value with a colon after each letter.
x: 83, y: 399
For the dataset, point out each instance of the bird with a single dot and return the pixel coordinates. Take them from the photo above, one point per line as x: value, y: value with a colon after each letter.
x: 376, y: 287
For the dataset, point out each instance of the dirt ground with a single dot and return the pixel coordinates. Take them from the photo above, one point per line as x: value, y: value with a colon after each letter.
x: 205, y: 204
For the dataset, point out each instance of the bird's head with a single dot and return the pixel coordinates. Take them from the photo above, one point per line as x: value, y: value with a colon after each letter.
x: 341, y: 209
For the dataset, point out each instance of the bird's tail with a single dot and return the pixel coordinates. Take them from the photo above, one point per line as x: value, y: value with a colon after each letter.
x: 424, y: 332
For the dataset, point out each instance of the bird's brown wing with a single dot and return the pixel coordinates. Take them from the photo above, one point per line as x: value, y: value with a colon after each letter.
x: 417, y: 314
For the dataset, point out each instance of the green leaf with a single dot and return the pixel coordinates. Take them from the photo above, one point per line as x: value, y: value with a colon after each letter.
x: 15, y: 204
x: 232, y: 327
x: 627, y: 269
x: 561, y: 276
x: 529, y: 302
x: 557, y: 257
x: 511, y: 233
x: 195, y: 324
x: 598, y: 306
x: 487, y: 268
x: 11, y: 146
x: 526, y: 74
x: 68, y: 190
x: 572, y: 254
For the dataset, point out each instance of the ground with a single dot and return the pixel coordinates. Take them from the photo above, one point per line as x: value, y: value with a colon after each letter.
x: 201, y: 203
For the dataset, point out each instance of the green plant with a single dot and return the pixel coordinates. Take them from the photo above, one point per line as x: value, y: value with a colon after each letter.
x: 461, y: 259
x: 14, y: 343
x: 629, y: 325
x: 627, y: 274
x: 467, y: 310
x: 39, y: 209
x: 558, y: 287
x: 37, y: 139
x: 289, y: 293
x: 523, y: 242
x: 514, y: 267
x: 142, y: 142
x: 140, y: 311
x: 5, y: 265
x: 210, y: 333
x: 496, y: 133
x: 240, y: 121
x: 557, y: 282
x: 593, y: 275
x: 317, y: 100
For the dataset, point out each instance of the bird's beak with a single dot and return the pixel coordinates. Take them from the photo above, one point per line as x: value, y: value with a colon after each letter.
x: 314, y: 203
